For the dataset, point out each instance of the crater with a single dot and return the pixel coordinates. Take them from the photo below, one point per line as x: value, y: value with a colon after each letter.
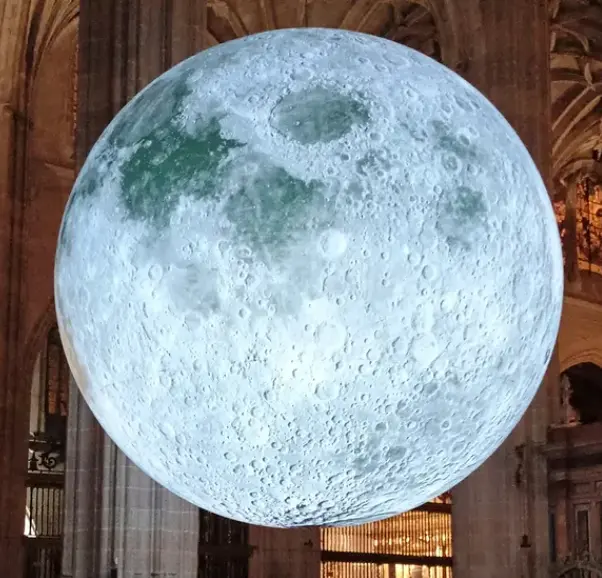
x: 462, y: 216
x: 318, y: 115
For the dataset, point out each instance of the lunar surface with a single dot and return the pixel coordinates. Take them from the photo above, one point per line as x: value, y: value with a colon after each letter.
x: 308, y: 277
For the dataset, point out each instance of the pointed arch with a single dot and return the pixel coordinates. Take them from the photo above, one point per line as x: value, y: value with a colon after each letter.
x: 584, y: 566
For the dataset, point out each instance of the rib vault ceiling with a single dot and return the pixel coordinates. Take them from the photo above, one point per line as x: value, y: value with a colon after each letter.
x: 576, y: 74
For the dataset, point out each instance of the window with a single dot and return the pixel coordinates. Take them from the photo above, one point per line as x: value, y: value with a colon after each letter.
x: 581, y: 529
x: 411, y: 545
x: 46, y: 452
x: 552, y: 523
x: 56, y: 398
x: 600, y: 518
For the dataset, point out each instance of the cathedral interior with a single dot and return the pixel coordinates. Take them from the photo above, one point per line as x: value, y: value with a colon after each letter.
x: 73, y: 506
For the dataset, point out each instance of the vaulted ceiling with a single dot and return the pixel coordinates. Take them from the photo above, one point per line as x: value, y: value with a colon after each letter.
x: 576, y: 74
x: 409, y: 22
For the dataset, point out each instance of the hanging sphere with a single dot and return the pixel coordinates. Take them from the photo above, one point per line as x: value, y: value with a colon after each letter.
x: 308, y: 277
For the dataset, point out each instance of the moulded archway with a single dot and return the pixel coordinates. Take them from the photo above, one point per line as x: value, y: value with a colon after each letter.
x: 585, y: 566
x: 37, y: 39
x: 581, y: 394
x: 584, y: 356
x: 45, y: 481
x: 580, y: 335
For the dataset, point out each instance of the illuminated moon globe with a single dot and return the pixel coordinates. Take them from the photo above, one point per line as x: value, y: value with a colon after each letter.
x: 308, y: 277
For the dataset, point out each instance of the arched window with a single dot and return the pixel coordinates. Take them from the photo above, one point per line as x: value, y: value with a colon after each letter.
x: 56, y: 392
x: 574, y: 451
x: 578, y: 211
x: 46, y: 459
x: 581, y: 393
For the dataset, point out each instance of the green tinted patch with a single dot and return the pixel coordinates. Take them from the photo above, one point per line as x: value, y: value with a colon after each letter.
x: 87, y: 185
x: 166, y: 163
x: 271, y: 208
x: 160, y: 101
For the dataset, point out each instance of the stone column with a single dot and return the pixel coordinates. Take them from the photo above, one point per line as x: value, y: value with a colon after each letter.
x: 14, y: 398
x: 124, y: 45
x: 117, y: 518
x: 500, y: 513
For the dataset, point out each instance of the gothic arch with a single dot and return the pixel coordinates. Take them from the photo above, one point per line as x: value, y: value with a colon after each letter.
x: 44, y: 36
x: 35, y: 342
x: 580, y: 336
x: 576, y: 65
x: 576, y: 94
x: 35, y: 36
x: 577, y: 571
x: 48, y: 164
x: 584, y: 567
x: 48, y: 170
x: 585, y: 356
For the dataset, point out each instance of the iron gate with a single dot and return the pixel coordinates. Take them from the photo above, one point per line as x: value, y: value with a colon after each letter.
x: 224, y: 549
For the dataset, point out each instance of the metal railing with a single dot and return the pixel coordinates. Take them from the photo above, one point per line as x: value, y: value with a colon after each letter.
x: 43, y: 557
x: 583, y: 565
x: 44, y: 525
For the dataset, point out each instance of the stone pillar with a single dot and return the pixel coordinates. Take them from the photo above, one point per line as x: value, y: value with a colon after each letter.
x: 117, y: 518
x: 500, y: 513
x: 124, y: 45
x: 293, y: 553
x: 14, y: 398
